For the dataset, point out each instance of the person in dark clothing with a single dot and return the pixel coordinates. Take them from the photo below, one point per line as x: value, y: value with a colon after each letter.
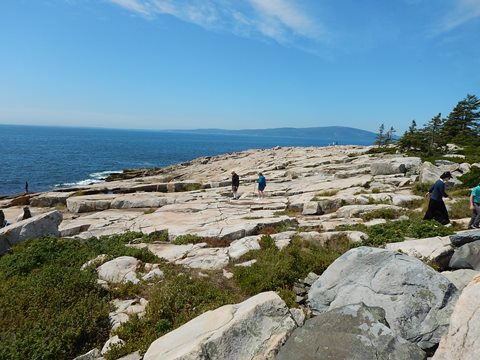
x: 235, y: 185
x: 26, y: 187
x: 436, y: 207
x: 3, y: 221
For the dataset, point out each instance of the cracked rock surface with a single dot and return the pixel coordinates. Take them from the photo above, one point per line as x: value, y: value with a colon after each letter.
x: 417, y: 300
x: 349, y: 332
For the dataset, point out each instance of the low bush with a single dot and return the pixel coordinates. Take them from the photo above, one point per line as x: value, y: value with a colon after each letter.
x: 382, y: 213
x: 173, y: 302
x: 49, y: 309
x: 275, y: 229
x: 396, y: 231
x: 278, y: 269
x: 326, y: 193
x: 187, y: 239
x: 471, y: 179
x: 420, y: 189
x: 459, y: 209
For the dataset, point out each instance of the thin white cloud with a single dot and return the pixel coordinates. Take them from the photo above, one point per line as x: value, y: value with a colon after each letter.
x: 281, y: 20
x: 132, y: 5
x: 463, y: 12
x: 287, y: 15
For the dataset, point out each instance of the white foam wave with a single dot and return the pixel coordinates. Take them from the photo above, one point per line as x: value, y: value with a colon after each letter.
x: 102, y: 175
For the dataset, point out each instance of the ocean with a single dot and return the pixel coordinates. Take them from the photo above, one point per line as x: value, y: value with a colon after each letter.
x: 54, y: 157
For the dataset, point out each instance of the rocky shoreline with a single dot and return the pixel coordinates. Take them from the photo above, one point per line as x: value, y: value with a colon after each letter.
x: 402, y: 306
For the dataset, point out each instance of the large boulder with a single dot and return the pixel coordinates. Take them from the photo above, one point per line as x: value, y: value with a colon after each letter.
x: 395, y: 166
x: 466, y: 257
x: 311, y: 208
x: 34, y: 227
x: 436, y: 250
x: 430, y: 173
x: 463, y: 339
x: 253, y: 329
x: 140, y: 200
x: 417, y: 300
x: 119, y: 270
x: 465, y: 237
x: 51, y: 199
x: 349, y: 332
x: 89, y: 203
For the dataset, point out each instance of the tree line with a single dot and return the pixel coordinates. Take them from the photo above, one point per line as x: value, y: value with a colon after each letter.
x: 461, y: 127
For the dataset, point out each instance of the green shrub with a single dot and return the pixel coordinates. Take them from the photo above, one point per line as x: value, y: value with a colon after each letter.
x: 266, y: 242
x: 382, y: 150
x: 187, y: 239
x: 160, y: 235
x: 382, y: 213
x: 396, y: 231
x: 42, y: 315
x: 327, y: 193
x: 420, y: 189
x: 459, y: 209
x: 49, y: 309
x: 278, y: 269
x: 472, y: 178
x: 174, y: 301
x: 192, y: 187
x: 289, y: 296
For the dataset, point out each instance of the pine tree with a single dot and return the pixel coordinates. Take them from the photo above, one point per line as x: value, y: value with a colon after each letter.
x: 389, y: 135
x: 381, y: 136
x: 463, y: 122
x: 433, y: 133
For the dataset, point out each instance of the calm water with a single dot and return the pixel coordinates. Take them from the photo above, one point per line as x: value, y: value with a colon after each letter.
x: 50, y: 157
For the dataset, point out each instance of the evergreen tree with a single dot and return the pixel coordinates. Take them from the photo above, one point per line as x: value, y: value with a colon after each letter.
x: 411, y: 140
x: 463, y: 122
x: 381, y: 136
x: 433, y: 133
x: 389, y: 136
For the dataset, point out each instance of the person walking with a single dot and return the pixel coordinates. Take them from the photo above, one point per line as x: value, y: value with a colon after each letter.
x: 235, y: 185
x: 436, y: 207
x: 262, y: 183
x: 475, y: 207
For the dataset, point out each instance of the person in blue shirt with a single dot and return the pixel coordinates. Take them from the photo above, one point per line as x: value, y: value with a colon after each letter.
x: 436, y: 207
x: 475, y: 207
x: 262, y: 183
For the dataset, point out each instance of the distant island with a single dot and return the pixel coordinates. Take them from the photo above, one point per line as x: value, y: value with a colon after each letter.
x: 329, y: 134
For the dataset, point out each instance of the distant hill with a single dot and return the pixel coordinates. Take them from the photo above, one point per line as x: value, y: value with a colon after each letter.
x: 329, y: 134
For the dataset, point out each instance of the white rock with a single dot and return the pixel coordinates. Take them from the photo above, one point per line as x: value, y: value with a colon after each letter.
x: 110, y: 343
x: 254, y: 329
x: 463, y: 339
x: 99, y: 260
x: 227, y: 274
x: 125, y: 308
x: 247, y: 263
x: 206, y: 259
x: 119, y: 270
x: 460, y: 278
x: 436, y: 249
x: 34, y: 227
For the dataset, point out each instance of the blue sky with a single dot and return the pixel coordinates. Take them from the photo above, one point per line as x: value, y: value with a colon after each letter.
x: 164, y: 64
